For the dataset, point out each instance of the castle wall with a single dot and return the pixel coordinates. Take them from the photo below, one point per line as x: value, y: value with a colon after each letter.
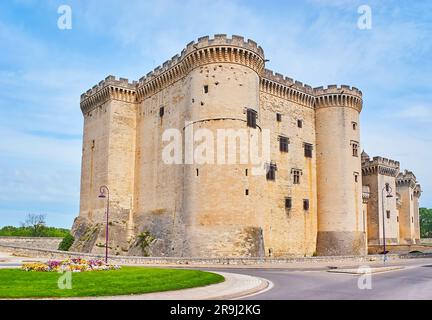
x: 290, y: 231
x: 108, y: 159
x: 339, y: 195
x: 406, y: 215
x: 377, y: 183
x: 159, y: 186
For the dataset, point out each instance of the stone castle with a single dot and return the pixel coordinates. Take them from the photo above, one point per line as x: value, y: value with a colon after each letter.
x: 319, y: 195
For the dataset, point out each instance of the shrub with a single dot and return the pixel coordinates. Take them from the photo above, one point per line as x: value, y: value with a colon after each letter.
x: 66, y: 243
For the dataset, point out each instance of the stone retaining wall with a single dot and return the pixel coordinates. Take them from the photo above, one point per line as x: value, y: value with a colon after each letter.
x: 375, y: 249
x: 32, y: 242
x: 55, y: 254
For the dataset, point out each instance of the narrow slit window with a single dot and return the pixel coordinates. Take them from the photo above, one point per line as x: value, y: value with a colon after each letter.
x: 246, y: 172
x: 271, y: 172
x: 247, y: 192
x: 300, y: 123
x: 354, y: 125
x: 308, y: 150
x: 388, y: 214
x: 306, y: 204
x: 296, y: 176
x: 161, y: 111
x: 288, y: 203
x: 197, y: 172
x: 355, y: 148
x: 278, y: 117
x: 251, y: 118
x: 283, y: 144
x: 206, y: 89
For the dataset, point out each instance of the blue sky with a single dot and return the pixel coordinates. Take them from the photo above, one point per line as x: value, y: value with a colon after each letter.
x: 43, y: 71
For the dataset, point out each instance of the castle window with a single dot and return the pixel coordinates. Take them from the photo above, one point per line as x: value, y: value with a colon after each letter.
x: 247, y: 192
x: 354, y: 125
x: 206, y: 89
x: 197, y: 172
x: 305, y: 204
x: 283, y: 144
x: 412, y: 219
x: 278, y: 117
x: 246, y: 172
x: 397, y: 218
x: 296, y: 176
x: 288, y: 203
x: 93, y: 145
x: 271, y: 171
x: 388, y: 214
x: 308, y: 150
x: 300, y: 123
x: 356, y: 175
x: 161, y: 111
x: 354, y: 148
x: 251, y: 118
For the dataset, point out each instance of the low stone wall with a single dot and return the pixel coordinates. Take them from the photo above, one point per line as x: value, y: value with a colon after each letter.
x: 426, y: 241
x: 32, y: 242
x: 124, y: 260
x: 375, y: 249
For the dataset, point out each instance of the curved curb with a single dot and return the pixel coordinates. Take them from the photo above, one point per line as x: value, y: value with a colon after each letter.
x: 263, y: 286
x: 235, y: 286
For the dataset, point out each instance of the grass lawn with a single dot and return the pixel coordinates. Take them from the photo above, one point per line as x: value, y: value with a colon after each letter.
x: 16, y: 283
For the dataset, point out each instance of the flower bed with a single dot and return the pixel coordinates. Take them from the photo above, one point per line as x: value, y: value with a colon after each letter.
x: 74, y: 265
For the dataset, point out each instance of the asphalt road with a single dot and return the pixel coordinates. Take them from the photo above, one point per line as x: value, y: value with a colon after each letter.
x: 413, y: 282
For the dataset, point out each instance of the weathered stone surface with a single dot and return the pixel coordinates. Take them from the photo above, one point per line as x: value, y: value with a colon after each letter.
x: 206, y: 209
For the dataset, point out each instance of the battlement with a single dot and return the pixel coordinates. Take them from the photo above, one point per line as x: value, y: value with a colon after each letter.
x: 111, y: 87
x: 110, y: 81
x: 286, y: 81
x: 203, y: 42
x: 380, y: 165
x: 406, y: 178
x: 334, y: 89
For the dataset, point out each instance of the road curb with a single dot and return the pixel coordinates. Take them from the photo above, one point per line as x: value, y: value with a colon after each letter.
x: 361, y: 271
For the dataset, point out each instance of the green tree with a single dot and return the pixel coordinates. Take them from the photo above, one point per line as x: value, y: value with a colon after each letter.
x: 36, y: 223
x: 66, y: 243
x: 425, y: 223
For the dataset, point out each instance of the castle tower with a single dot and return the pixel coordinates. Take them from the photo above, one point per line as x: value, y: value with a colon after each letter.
x: 222, y: 195
x: 339, y: 181
x: 417, y: 194
x: 406, y: 186
x: 108, y: 158
x: 376, y: 174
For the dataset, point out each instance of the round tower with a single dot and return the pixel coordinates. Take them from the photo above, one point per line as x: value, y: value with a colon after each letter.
x: 222, y: 195
x: 339, y: 180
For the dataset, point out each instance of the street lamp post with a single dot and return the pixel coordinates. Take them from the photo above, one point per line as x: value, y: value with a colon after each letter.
x: 104, y: 193
x: 388, y: 189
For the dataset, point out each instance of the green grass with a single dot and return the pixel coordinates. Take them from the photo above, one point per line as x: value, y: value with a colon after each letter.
x: 15, y: 283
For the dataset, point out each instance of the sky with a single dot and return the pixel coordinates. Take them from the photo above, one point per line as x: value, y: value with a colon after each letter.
x: 44, y: 70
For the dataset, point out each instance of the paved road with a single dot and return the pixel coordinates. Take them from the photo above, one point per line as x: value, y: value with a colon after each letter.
x: 413, y: 282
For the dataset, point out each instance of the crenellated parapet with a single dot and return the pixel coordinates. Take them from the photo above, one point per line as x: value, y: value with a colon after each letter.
x: 417, y: 191
x: 108, y: 89
x: 334, y: 96
x: 380, y: 165
x: 220, y: 49
x: 406, y: 178
x: 206, y: 50
x: 287, y: 88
